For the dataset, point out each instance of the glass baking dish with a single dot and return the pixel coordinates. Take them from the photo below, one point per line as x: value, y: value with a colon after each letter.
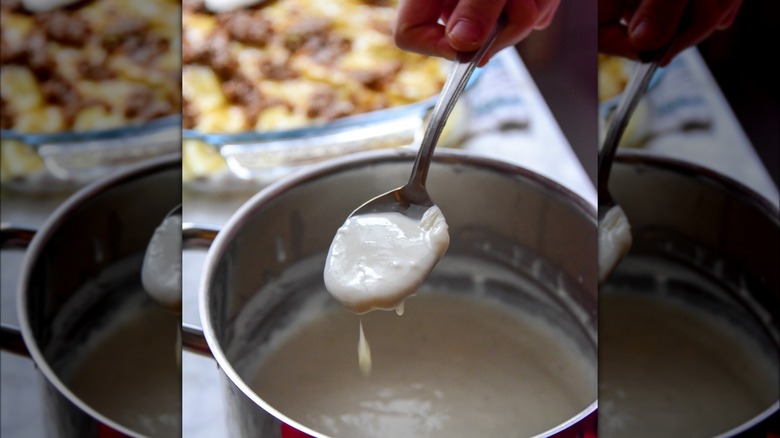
x: 61, y: 161
x: 215, y: 159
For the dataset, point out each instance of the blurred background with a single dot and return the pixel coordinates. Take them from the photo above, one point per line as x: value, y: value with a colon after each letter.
x: 739, y: 58
x: 562, y: 62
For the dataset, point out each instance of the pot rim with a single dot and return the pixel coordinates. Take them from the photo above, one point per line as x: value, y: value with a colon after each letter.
x: 37, y: 245
x: 687, y: 168
x: 238, y: 219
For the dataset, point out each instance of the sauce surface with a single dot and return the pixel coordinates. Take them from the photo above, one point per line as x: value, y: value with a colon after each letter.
x: 668, y: 369
x: 451, y: 366
x: 131, y: 375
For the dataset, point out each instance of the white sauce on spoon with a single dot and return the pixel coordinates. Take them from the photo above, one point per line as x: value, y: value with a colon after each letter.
x: 125, y: 371
x: 161, y: 273
x: 614, y: 241
x: 364, y: 353
x: 377, y: 260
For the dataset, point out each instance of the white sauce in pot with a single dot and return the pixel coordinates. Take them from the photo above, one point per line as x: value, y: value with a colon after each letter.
x: 451, y: 366
x: 377, y: 260
x: 129, y: 372
x: 667, y: 369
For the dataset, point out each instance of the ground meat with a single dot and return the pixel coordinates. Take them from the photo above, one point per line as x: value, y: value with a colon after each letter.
x: 131, y: 37
x: 33, y: 55
x: 95, y: 72
x: 114, y: 37
x: 277, y: 71
x: 325, y: 105
x: 7, y: 115
x: 247, y: 27
x: 126, y: 26
x: 30, y: 53
x: 214, y: 53
x: 219, y: 57
x: 143, y: 104
x: 238, y: 89
x: 327, y: 48
x: 37, y: 57
x: 145, y: 47
x: 59, y: 92
x: 314, y: 37
x: 189, y: 115
x: 11, y: 5
x: 9, y: 54
x: 193, y: 5
x: 64, y: 28
x: 304, y: 30
x: 377, y: 79
x: 193, y: 54
x: 241, y: 91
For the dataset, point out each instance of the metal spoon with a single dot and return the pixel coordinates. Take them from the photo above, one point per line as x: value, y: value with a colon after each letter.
x: 413, y: 199
x: 614, y: 230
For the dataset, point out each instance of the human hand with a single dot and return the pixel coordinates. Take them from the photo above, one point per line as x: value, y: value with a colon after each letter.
x: 467, y: 24
x: 634, y: 28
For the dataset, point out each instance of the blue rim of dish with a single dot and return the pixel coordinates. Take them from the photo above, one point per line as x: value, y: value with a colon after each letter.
x: 323, y: 128
x: 37, y: 139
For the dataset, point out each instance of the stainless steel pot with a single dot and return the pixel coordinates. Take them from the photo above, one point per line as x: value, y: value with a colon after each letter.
x: 707, y: 241
x: 81, y: 270
x: 538, y: 239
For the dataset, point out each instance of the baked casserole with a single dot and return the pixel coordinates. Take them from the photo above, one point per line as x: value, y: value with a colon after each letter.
x: 91, y: 66
x: 289, y: 64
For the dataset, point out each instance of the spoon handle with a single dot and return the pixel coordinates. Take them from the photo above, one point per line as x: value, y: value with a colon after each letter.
x: 635, y: 88
x: 458, y: 77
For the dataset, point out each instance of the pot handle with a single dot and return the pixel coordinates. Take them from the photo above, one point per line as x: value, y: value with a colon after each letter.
x: 196, y: 236
x: 193, y: 340
x: 193, y: 237
x: 14, y: 237
x: 11, y: 340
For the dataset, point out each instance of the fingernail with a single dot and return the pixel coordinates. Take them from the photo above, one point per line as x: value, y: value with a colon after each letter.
x: 466, y: 33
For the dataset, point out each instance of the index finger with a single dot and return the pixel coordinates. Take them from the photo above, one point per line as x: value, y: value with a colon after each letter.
x: 417, y: 28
